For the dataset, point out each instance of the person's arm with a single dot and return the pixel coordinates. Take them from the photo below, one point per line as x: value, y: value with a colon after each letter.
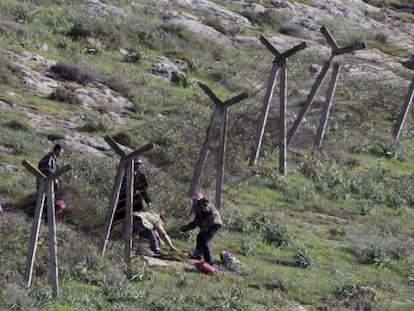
x: 164, y: 236
x: 190, y: 226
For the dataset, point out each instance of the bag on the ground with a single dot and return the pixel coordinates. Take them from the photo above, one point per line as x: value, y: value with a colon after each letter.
x: 60, y: 205
x: 228, y: 259
x: 205, y: 267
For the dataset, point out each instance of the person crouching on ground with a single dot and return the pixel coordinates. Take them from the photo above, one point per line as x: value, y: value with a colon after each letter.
x: 208, y: 219
x: 151, y: 226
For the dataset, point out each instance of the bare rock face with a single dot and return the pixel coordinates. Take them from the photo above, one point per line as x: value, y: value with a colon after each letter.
x: 196, y: 25
x: 36, y: 77
x: 103, y: 8
x: 166, y: 68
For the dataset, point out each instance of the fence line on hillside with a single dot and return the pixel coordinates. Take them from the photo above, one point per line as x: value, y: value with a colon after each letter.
x: 389, y: 77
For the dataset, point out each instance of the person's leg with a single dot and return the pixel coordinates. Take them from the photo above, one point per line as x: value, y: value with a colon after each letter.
x: 199, y: 247
x: 205, y: 240
x: 139, y: 228
x: 150, y: 236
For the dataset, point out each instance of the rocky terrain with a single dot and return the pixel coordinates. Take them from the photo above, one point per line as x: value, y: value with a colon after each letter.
x: 307, y: 15
x: 353, y: 22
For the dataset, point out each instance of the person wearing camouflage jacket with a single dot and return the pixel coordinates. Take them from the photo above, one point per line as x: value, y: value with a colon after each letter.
x: 209, y: 221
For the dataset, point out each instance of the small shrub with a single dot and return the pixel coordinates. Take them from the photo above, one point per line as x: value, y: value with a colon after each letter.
x: 241, y: 224
x: 139, y: 273
x: 24, y: 13
x: 341, y: 231
x: 93, y: 46
x: 55, y: 136
x: 98, y: 32
x: 120, y: 291
x: 276, y: 284
x: 97, y: 124
x: 16, y: 126
x: 6, y: 68
x: 42, y: 295
x: 387, y: 148
x: 378, y: 16
x: 374, y: 254
x: 121, y: 86
x: 64, y: 95
x: 291, y: 30
x: 80, y: 30
x: 96, y: 174
x: 245, y: 247
x: 124, y: 138
x: 269, y: 18
x: 133, y: 56
x: 183, y: 281
x: 21, y: 147
x: 91, y: 269
x: 184, y: 80
x: 278, y: 236
x: 381, y: 37
x: 73, y: 72
x: 17, y: 297
x: 398, y: 251
x: 404, y: 17
x: 302, y: 258
x: 216, y: 23
x: 365, y: 206
x: 356, y: 296
x: 251, y: 223
x: 410, y: 274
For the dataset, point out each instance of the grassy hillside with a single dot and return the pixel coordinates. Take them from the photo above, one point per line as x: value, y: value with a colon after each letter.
x: 335, y: 233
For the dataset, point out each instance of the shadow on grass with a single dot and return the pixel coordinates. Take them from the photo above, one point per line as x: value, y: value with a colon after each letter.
x: 282, y: 262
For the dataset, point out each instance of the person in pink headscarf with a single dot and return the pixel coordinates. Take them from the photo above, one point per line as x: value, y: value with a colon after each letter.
x: 195, y: 198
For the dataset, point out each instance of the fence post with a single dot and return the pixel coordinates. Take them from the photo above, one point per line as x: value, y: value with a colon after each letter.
x: 404, y: 111
x: 327, y: 107
x: 264, y: 113
x: 125, y: 171
x: 45, y: 190
x: 282, y: 119
x: 279, y: 61
x: 219, y: 115
x: 335, y: 51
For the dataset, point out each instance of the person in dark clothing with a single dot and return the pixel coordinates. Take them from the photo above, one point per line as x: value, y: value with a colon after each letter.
x: 140, y: 187
x: 208, y: 219
x: 140, y: 192
x: 48, y: 164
